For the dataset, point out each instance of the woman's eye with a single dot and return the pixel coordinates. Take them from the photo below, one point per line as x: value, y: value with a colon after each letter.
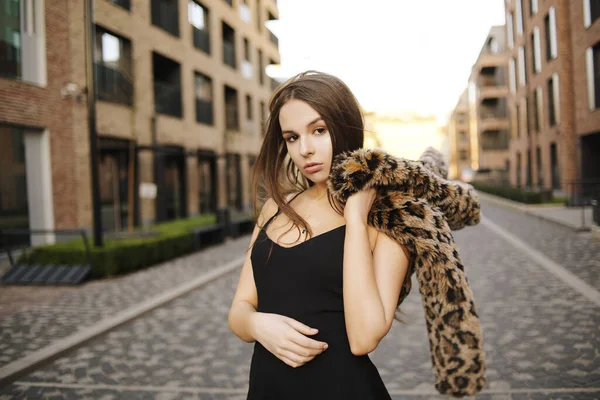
x: 320, y: 131
x: 291, y: 139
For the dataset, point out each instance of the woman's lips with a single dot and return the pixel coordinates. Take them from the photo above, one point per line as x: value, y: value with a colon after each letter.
x: 313, y: 168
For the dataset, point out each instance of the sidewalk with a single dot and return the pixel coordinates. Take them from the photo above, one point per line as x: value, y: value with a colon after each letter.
x: 35, y: 319
x: 573, y: 218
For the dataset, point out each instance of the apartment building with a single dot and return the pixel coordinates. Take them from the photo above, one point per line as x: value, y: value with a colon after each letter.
x: 459, y: 139
x: 181, y: 96
x: 488, y: 112
x: 553, y: 72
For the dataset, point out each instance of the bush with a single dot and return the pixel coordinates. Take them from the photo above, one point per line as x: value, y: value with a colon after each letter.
x: 516, y: 194
x: 117, y: 256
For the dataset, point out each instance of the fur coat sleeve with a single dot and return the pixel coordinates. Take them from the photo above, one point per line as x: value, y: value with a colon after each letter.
x: 417, y: 207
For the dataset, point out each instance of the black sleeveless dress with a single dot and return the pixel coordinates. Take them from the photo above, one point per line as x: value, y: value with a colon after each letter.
x: 304, y: 282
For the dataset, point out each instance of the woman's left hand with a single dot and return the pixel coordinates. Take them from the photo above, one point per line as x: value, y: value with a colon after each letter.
x: 358, y: 206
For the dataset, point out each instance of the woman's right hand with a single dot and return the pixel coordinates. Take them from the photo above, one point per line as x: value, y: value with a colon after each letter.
x: 286, y: 338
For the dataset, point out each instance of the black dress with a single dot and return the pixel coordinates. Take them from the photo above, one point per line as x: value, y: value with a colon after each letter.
x: 304, y: 282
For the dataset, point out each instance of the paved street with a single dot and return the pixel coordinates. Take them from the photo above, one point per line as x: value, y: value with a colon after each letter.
x: 541, y: 335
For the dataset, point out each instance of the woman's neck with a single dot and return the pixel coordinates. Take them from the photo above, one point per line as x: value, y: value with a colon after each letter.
x: 319, y: 191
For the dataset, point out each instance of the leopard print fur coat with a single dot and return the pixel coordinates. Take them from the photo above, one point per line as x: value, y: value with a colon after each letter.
x: 417, y: 207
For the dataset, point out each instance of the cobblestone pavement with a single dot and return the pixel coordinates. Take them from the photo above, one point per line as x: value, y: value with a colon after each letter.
x: 541, y: 337
x: 47, y: 314
x: 577, y: 252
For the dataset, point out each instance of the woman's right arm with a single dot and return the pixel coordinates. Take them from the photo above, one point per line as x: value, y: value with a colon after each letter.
x: 283, y: 336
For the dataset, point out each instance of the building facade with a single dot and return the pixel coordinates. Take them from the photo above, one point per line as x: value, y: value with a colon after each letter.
x: 459, y: 140
x: 553, y: 72
x: 181, y: 96
x: 488, y: 112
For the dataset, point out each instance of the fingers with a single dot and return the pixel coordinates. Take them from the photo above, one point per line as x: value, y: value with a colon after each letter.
x: 292, y: 359
x: 300, y: 327
x: 301, y: 340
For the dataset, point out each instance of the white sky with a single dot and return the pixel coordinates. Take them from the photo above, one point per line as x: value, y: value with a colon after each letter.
x: 396, y: 55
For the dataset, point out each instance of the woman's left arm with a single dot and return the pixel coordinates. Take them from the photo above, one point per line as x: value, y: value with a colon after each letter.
x: 372, y: 280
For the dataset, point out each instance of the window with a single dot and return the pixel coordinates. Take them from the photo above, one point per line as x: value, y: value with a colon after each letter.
x: 247, y: 63
x: 464, y: 155
x: 229, y: 46
x: 204, y: 99
x: 464, y: 138
x: 533, y: 7
x: 538, y: 162
x: 518, y: 169
x: 165, y: 15
x: 231, y: 109
x: 593, y: 76
x: 512, y: 75
x: 519, y: 9
x: 551, y: 41
x: 553, y: 100
x: 258, y: 17
x: 249, y: 113
x: 536, y: 109
x: 207, y: 193
x: 522, y: 70
x: 591, y: 12
x: 167, y: 86
x: 539, y: 96
x: 536, y: 50
x: 529, y: 169
x: 113, y: 67
x: 510, y: 31
x: 122, y: 3
x: 14, y: 209
x: 261, y: 68
x: 263, y: 128
x: 518, y: 115
x: 198, y: 18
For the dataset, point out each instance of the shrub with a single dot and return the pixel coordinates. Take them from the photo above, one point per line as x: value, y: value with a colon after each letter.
x: 171, y: 240
x: 512, y: 193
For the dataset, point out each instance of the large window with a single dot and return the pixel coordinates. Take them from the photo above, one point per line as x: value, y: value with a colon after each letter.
x: 247, y: 62
x: 204, y: 99
x: 538, y: 163
x: 229, y: 46
x: 231, y: 109
x: 551, y: 103
x: 113, y: 67
x: 10, y: 39
x: 591, y: 12
x: 14, y: 210
x: 535, y: 108
x: 207, y: 195
x: 593, y: 76
x: 167, y: 86
x: 522, y: 69
x: 551, y: 39
x: 165, y: 15
x: 261, y: 68
x: 519, y: 9
x: 113, y: 170
x: 536, y: 51
x: 122, y: 3
x: 198, y: 18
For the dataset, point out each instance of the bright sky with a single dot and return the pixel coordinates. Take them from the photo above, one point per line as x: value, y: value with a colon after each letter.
x: 396, y: 55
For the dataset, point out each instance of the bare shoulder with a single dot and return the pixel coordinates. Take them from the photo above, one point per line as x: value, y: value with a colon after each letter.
x: 268, y: 210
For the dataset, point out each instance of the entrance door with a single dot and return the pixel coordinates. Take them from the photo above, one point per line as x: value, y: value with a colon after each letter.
x: 114, y: 181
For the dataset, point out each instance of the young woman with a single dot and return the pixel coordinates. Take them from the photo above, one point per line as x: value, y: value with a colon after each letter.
x: 319, y: 287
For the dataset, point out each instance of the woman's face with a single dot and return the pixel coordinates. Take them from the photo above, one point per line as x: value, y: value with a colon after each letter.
x: 307, y: 139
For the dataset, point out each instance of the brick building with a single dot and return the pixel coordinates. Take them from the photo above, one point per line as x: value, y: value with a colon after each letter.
x: 459, y: 139
x: 553, y: 71
x: 181, y: 96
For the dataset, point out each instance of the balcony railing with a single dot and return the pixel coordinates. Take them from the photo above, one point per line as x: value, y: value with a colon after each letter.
x: 113, y: 85
x: 492, y: 80
x: 126, y: 4
x: 167, y: 99
x: 497, y: 140
x: 232, y: 120
x: 164, y: 15
x: 201, y: 39
x: 204, y: 111
x: 229, y: 54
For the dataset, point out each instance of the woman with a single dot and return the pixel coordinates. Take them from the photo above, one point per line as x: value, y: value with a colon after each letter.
x: 319, y: 288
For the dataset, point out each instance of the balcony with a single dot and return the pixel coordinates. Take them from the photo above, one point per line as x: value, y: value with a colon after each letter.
x: 113, y: 85
x: 201, y: 39
x: 204, y: 112
x: 229, y: 54
x: 495, y: 140
x: 167, y: 99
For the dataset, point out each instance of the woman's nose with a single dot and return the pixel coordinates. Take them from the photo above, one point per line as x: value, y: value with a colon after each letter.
x: 306, y: 147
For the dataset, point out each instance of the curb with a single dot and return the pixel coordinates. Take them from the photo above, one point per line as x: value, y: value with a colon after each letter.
x: 529, y: 210
x: 12, y: 371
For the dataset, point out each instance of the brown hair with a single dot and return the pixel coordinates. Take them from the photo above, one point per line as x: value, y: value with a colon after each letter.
x: 275, y: 174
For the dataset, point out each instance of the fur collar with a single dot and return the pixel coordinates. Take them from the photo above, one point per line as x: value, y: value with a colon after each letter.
x: 417, y: 207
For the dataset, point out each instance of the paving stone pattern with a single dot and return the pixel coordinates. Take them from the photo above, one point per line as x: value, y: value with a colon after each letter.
x: 541, y: 338
x: 38, y: 325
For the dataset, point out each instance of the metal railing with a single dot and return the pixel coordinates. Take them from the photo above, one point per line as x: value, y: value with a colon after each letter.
x: 585, y: 192
x: 204, y: 111
x: 201, y: 39
x: 167, y: 99
x: 113, y: 85
x: 165, y: 15
x: 229, y: 54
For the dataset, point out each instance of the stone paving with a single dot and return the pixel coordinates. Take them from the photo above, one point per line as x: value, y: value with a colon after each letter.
x: 577, y: 252
x: 541, y: 337
x: 47, y: 314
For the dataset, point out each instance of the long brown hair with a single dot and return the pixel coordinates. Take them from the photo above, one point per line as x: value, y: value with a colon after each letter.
x: 275, y: 175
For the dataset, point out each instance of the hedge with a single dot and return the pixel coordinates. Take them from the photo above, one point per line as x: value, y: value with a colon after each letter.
x: 117, y: 256
x: 516, y: 194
